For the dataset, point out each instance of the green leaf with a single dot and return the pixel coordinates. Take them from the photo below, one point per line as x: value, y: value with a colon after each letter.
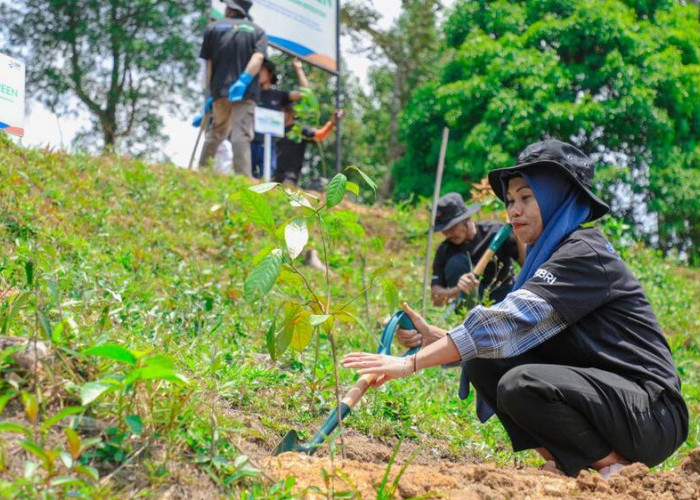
x: 30, y: 469
x: 35, y: 450
x: 257, y: 209
x: 57, y: 333
x: 44, y: 322
x: 155, y: 373
x: 317, y: 319
x: 113, y: 352
x: 73, y: 442
x: 264, y: 187
x: 336, y: 190
x: 135, y: 424
x: 160, y: 360
x: 66, y: 459
x: 262, y: 253
x: 391, y: 294
x: 66, y: 480
x: 13, y: 427
x: 31, y: 406
x: 263, y: 276
x: 90, y: 391
x: 297, y: 199
x: 270, y: 340
x: 353, y: 188
x: 287, y: 276
x: 296, y: 235
x: 67, y: 411
x: 345, y: 316
x: 283, y: 340
x: 29, y: 272
x: 87, y: 471
x: 5, y: 398
x: 365, y: 177
x: 17, y: 304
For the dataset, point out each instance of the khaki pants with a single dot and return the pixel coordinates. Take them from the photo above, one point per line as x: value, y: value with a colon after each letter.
x: 234, y: 119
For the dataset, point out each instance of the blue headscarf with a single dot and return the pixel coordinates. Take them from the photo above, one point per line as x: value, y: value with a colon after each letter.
x: 563, y: 207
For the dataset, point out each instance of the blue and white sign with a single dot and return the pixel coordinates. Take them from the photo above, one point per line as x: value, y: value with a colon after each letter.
x: 307, y: 29
x: 269, y: 121
x: 11, y: 95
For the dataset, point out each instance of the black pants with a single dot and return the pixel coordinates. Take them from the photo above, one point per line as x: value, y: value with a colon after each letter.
x: 580, y: 415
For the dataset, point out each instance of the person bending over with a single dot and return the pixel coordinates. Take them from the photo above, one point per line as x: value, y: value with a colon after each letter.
x: 465, y: 243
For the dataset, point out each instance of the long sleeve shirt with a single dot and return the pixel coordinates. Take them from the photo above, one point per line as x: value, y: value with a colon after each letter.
x: 520, y: 322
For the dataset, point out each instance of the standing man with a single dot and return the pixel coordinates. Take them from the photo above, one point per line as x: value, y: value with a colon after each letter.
x: 234, y: 49
x: 465, y: 243
x: 276, y: 99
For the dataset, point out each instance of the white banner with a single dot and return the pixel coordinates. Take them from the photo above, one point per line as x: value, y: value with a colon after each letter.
x: 11, y: 95
x: 304, y: 28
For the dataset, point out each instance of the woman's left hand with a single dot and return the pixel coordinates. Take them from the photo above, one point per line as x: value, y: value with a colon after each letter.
x: 387, y: 367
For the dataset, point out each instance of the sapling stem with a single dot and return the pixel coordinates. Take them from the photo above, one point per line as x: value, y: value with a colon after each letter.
x: 332, y: 338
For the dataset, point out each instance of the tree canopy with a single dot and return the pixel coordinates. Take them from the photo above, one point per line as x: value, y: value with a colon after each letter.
x: 124, y: 60
x: 617, y: 78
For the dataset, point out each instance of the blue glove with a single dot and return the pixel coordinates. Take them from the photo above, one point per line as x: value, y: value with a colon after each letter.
x: 236, y: 91
x: 207, y: 109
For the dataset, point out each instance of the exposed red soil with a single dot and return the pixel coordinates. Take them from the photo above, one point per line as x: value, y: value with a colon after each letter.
x: 486, y: 481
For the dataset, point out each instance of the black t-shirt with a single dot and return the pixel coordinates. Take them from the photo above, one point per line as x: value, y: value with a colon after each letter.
x: 502, y: 261
x: 611, y: 324
x: 272, y: 99
x: 229, y: 44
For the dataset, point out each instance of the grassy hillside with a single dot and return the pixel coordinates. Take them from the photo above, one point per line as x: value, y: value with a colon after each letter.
x: 134, y: 275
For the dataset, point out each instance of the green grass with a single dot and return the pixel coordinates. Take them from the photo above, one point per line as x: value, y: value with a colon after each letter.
x: 153, y: 258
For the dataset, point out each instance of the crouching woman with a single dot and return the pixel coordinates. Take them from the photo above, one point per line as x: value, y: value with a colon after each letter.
x: 573, y: 361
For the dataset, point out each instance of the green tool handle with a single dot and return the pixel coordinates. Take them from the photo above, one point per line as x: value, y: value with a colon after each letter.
x: 496, y: 244
x: 358, y: 390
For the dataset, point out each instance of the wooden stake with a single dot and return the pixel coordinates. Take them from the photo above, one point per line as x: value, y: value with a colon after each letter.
x: 436, y: 197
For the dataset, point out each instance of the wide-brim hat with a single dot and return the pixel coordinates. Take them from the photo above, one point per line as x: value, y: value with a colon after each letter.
x: 242, y: 6
x: 451, y: 210
x: 563, y: 157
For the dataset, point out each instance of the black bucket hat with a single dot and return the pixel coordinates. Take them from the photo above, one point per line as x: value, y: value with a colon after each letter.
x: 272, y: 68
x: 242, y: 6
x: 451, y: 210
x: 562, y: 156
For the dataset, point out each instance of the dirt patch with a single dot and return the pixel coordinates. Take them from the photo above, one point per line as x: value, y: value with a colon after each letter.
x: 483, y: 481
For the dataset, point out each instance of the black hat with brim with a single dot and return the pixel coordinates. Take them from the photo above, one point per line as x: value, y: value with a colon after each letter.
x: 559, y: 156
x: 451, y: 210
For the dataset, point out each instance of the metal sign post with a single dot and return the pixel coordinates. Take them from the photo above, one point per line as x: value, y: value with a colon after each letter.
x: 268, y: 122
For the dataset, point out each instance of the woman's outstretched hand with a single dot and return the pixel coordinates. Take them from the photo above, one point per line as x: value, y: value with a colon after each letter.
x: 386, y: 367
x: 424, y: 334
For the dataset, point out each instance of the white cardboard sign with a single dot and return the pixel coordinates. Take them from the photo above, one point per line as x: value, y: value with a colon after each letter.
x: 11, y: 95
x: 269, y: 121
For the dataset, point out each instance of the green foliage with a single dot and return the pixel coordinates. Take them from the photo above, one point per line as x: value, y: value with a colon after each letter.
x: 619, y: 79
x: 147, y: 262
x: 122, y: 60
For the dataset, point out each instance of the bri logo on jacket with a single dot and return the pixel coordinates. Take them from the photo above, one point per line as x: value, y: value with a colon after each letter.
x: 546, y: 276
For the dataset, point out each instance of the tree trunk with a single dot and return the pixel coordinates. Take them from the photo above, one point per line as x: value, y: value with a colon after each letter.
x: 395, y: 149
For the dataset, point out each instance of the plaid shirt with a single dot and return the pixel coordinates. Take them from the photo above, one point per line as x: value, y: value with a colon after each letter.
x: 520, y: 322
